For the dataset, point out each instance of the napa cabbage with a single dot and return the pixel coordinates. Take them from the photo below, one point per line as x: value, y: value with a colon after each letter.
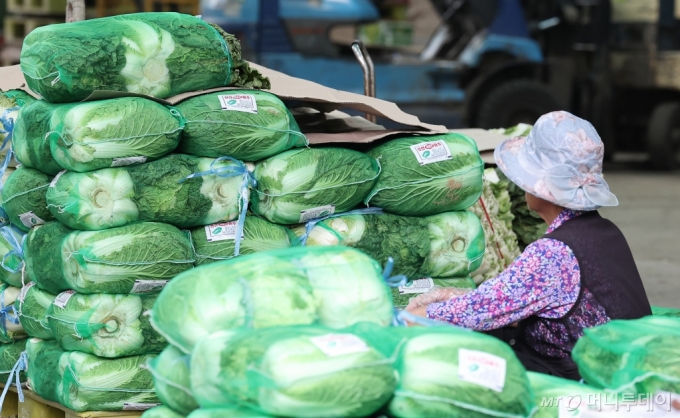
x: 216, y: 242
x: 11, y: 329
x: 24, y: 198
x: 556, y: 397
x: 171, y: 376
x: 161, y: 191
x: 111, y: 133
x: 31, y: 306
x: 93, y: 383
x: 161, y: 411
x: 104, y: 325
x: 43, y: 372
x: 457, y: 244
x: 231, y: 411
x: 30, y: 143
x: 11, y: 255
x: 136, y: 258
x: 446, y: 371
x: 427, y: 175
x: 157, y: 54
x: 247, y: 125
x: 298, y: 185
x: 9, y: 355
x: 301, y: 371
x: 627, y: 356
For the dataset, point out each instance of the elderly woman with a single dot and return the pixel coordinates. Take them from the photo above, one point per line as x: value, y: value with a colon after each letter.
x: 580, y: 274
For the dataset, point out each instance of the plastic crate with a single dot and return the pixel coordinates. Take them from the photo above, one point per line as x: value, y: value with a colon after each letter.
x: 37, y: 7
x: 17, y: 27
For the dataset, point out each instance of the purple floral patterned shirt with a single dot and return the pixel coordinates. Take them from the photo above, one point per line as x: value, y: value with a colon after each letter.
x: 545, y: 280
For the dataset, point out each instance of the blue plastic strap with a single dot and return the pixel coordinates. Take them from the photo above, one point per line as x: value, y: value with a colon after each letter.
x: 7, y: 125
x: 393, y: 281
x: 19, y: 366
x: 312, y: 223
x: 16, y: 249
x: 239, y: 169
x: 7, y: 313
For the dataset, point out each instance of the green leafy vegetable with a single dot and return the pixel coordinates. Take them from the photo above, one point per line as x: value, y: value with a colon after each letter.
x: 112, y: 133
x: 294, y: 371
x: 11, y: 256
x: 631, y: 356
x: 31, y: 306
x: 44, y: 375
x: 258, y: 235
x: 9, y: 355
x: 251, y: 133
x: 445, y: 371
x: 30, y: 138
x: 137, y: 258
x: 104, y: 325
x: 11, y: 329
x: 556, y: 397
x: 456, y: 244
x: 157, y: 54
x: 23, y: 198
x: 407, y: 187
x: 156, y: 191
x: 298, y: 185
x: 231, y: 411
x: 91, y: 383
x: 402, y: 295
x: 171, y: 378
x: 161, y: 411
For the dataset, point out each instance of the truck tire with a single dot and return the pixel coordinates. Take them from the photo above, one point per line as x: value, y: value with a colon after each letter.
x: 514, y: 102
x: 663, y: 136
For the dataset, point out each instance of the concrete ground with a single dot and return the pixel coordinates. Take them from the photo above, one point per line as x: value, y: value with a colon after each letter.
x: 649, y: 216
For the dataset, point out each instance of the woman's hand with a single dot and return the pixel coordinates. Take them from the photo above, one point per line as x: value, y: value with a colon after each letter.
x: 436, y: 294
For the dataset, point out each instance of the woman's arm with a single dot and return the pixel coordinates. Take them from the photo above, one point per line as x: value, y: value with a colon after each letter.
x: 546, y: 275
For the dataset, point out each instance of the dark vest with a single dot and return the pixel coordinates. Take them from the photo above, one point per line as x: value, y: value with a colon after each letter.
x: 608, y: 271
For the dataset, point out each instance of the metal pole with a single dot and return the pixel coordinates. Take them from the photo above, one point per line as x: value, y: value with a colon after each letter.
x: 369, y: 72
x: 75, y: 10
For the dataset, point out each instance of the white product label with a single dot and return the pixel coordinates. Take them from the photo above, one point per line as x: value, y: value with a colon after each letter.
x: 24, y: 290
x: 313, y: 213
x: 133, y: 406
x: 120, y: 162
x: 222, y: 231
x: 481, y: 368
x: 62, y: 298
x: 334, y: 345
x: 492, y: 176
x: 56, y: 178
x: 148, y: 286
x: 30, y: 219
x: 416, y: 286
x: 431, y: 152
x: 239, y: 102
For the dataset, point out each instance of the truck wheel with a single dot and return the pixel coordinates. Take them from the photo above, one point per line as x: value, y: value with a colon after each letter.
x: 663, y: 136
x: 515, y: 102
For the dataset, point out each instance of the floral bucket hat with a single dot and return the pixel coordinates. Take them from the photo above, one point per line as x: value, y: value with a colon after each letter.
x: 559, y: 161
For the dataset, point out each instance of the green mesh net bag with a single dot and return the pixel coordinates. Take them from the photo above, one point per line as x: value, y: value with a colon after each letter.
x: 457, y: 244
x: 300, y: 371
x: 247, y: 125
x: 427, y: 175
x: 162, y: 411
x: 112, y: 133
x: 157, y: 54
x: 92, y: 383
x: 104, y: 325
x: 558, y: 398
x: 217, y: 241
x: 178, y: 189
x: 10, y: 326
x: 231, y: 411
x: 30, y: 139
x: 43, y: 372
x: 11, y: 102
x: 136, y: 258
x: 299, y: 185
x: 11, y: 255
x: 31, y: 306
x: 23, y: 198
x: 9, y: 356
x: 453, y: 372
x: 401, y: 295
x: 633, y: 356
x: 333, y: 286
x: 172, y: 380
x: 661, y: 311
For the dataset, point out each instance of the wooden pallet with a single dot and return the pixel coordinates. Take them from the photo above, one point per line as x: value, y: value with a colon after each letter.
x: 17, y: 27
x: 36, y: 7
x: 36, y: 407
